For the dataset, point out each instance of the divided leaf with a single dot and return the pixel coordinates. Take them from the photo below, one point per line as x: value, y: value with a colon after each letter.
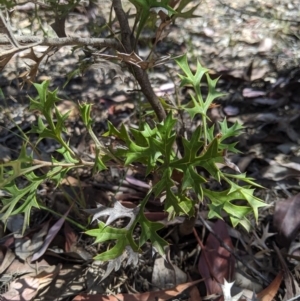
x: 121, y: 237
x: 114, y: 213
x: 149, y: 232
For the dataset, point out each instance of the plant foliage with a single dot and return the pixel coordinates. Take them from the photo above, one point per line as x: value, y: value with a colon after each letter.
x: 184, y: 173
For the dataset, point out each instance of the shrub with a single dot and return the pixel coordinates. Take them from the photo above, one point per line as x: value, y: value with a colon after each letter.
x: 185, y: 166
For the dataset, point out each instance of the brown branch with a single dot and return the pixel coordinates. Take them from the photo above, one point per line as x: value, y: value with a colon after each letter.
x: 59, y: 42
x: 140, y: 75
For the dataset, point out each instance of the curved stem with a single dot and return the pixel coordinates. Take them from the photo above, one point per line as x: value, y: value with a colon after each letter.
x: 140, y: 75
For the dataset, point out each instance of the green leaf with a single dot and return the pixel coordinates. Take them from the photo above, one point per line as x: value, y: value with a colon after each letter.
x: 112, y: 131
x: 243, y: 177
x: 149, y: 230
x: 215, y: 210
x: 244, y: 222
x: 212, y: 92
x: 164, y: 183
x: 148, y: 145
x: 192, y: 180
x: 67, y: 155
x: 99, y: 164
x: 85, y: 113
x: 195, y: 107
x: 39, y: 104
x: 122, y: 238
x: 190, y: 78
x: 227, y: 132
x: 207, y: 159
x: 253, y: 201
x: 26, y: 198
x: 114, y: 252
x: 235, y: 193
x: 210, y: 157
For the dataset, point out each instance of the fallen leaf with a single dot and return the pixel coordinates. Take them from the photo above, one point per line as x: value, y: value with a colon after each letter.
x: 269, y: 292
x: 250, y: 93
x: 136, y: 182
x: 292, y: 288
x: 265, y: 101
x: 226, y: 289
x: 149, y: 296
x: 231, y: 110
x: 50, y: 236
x: 114, y: 213
x: 6, y: 258
x: 25, y: 246
x: 286, y: 220
x: 24, y: 289
x: 166, y: 275
x: 194, y: 292
x: 115, y: 264
x: 71, y: 238
x: 215, y: 261
x: 260, y: 242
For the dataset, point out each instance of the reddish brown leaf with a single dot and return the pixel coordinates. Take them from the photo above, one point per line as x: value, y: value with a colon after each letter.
x: 149, y: 296
x: 216, y: 263
x: 269, y: 292
x: 286, y: 220
x: 194, y: 292
x: 71, y: 238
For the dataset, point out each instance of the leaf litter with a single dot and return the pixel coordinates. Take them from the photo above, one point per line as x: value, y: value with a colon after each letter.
x: 263, y: 93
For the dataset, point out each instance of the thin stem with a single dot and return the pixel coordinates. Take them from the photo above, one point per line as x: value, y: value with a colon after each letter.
x: 129, y: 42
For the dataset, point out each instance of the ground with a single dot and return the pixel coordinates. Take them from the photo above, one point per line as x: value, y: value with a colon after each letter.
x: 254, y: 47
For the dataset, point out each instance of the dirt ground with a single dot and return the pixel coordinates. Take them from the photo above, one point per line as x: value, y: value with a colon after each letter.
x: 254, y: 47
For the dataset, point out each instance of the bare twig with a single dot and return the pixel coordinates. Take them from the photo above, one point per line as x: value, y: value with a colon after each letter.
x: 68, y: 41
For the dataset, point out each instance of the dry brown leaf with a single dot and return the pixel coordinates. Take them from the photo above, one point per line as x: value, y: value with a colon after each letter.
x: 194, y: 292
x: 160, y: 34
x: 291, y: 284
x: 71, y: 238
x: 216, y: 263
x: 4, y: 59
x: 149, y: 296
x: 286, y: 220
x: 21, y: 267
x: 165, y: 274
x: 269, y: 292
x: 26, y: 246
x: 277, y: 172
x: 50, y: 236
x: 24, y: 289
x: 6, y: 258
